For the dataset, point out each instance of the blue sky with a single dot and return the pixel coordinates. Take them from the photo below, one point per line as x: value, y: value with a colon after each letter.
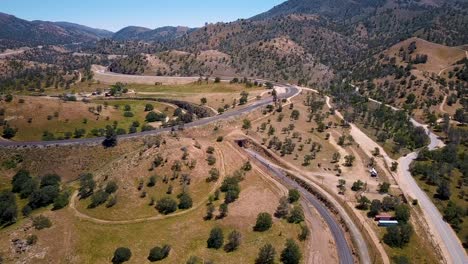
x: 115, y: 14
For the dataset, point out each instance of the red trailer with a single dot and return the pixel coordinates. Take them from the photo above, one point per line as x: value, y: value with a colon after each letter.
x: 384, y: 217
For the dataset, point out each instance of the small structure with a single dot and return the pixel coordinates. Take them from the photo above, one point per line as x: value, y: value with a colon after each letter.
x: 383, y: 217
x: 387, y: 223
x: 373, y: 172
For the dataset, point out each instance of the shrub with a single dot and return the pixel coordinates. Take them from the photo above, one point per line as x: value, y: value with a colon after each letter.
x: 98, y: 198
x: 219, y: 139
x: 291, y: 253
x: 294, y: 195
x: 398, y: 236
x: 305, y: 232
x: 166, y: 205
x: 40, y: 222
x: 297, y: 215
x: 185, y: 201
x: 111, y: 187
x: 121, y: 255
x: 216, y: 239
x: 234, y: 240
x: 159, y: 253
x: 264, y: 222
x: 31, y: 240
x: 62, y: 200
x: 266, y: 255
x: 128, y: 114
x: 149, y: 107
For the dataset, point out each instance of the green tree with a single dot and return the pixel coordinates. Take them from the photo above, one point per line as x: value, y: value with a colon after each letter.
x: 402, y: 213
x: 9, y: 132
x: 398, y: 236
x: 203, y: 101
x: 149, y: 107
x: 291, y: 254
x: 216, y: 239
x: 166, y: 205
x: 121, y: 255
x: 185, y: 201
x: 363, y: 203
x: 297, y: 215
x: 375, y: 208
x: 111, y: 138
x: 294, y: 195
x: 263, y: 223
x: 111, y: 187
x: 98, y: 198
x: 8, y: 208
x: 87, y: 185
x: 266, y: 255
x: 384, y: 187
x: 159, y: 253
x: 234, y: 241
x: 305, y: 232
x: 443, y: 190
x: 283, y: 208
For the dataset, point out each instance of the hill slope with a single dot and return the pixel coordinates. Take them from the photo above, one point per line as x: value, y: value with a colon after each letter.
x: 146, y: 34
x: 43, y: 32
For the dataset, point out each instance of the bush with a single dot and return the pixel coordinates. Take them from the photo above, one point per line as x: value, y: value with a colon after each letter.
x: 121, y: 255
x: 305, y: 232
x: 152, y: 181
x: 166, y: 205
x: 111, y: 187
x: 266, y: 255
x: 294, y: 195
x: 264, y: 222
x: 297, y: 215
x: 291, y: 253
x: 234, y: 240
x: 216, y: 239
x: 158, y: 253
x: 128, y: 114
x: 185, y: 201
x: 149, y: 107
x: 155, y: 117
x: 62, y: 200
x: 31, y: 240
x: 40, y: 222
x: 398, y: 236
x: 8, y: 208
x: 98, y: 198
x: 219, y: 139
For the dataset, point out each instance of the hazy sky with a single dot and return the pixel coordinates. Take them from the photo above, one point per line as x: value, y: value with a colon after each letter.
x: 115, y: 14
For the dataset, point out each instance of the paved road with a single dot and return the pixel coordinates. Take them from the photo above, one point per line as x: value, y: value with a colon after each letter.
x: 444, y: 235
x: 344, y: 250
x: 447, y: 238
x: 289, y: 91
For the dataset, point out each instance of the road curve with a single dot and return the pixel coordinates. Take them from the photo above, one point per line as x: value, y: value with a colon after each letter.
x: 289, y: 91
x: 445, y: 237
x: 344, y: 250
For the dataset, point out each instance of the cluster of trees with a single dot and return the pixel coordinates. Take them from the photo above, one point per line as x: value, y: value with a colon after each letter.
x: 386, y: 122
x: 40, y: 192
x: 135, y: 64
x: 440, y: 168
x: 123, y: 254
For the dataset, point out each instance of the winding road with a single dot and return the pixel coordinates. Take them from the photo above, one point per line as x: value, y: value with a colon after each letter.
x: 344, y: 250
x: 445, y: 237
x: 285, y: 93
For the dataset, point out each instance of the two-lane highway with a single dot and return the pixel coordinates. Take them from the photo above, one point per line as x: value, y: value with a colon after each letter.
x: 288, y: 92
